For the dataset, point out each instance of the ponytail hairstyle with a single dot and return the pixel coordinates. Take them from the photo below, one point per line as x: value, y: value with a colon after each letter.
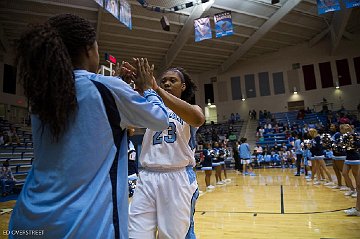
x: 45, y: 57
x: 189, y: 92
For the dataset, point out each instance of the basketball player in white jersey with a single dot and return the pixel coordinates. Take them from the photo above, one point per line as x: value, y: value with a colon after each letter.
x: 164, y: 200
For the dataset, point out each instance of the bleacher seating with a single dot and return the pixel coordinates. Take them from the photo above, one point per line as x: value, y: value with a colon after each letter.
x: 21, y: 155
x: 289, y: 119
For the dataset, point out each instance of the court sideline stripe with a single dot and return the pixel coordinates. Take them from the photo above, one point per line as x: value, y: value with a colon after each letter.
x: 282, y: 199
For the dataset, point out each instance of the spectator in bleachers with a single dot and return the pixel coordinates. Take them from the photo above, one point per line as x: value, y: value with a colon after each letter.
x: 232, y: 118
x: 7, y: 179
x: 261, y: 115
x: 254, y: 114
x: 2, y: 138
x: 12, y: 136
x: 237, y: 117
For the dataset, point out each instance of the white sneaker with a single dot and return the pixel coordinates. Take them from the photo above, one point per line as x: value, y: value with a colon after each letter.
x: 349, y: 193
x: 228, y: 180
x: 354, y: 195
x: 344, y: 188
x: 308, y: 180
x: 210, y: 187
x: 220, y: 183
x: 335, y: 187
x: 316, y: 183
x: 352, y: 212
x: 307, y: 177
x: 329, y: 184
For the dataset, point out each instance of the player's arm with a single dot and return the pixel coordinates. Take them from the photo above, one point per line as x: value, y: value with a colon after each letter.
x: 191, y: 114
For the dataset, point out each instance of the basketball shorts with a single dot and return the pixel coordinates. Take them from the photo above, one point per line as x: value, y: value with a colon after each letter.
x: 164, y: 201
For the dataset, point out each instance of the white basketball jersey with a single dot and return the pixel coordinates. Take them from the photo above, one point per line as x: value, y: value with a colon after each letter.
x: 171, y: 148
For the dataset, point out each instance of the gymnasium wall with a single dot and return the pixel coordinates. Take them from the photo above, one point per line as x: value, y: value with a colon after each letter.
x: 17, y: 99
x: 282, y: 61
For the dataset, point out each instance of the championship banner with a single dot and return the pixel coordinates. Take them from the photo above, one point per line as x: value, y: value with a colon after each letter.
x: 100, y: 2
x: 352, y: 3
x: 223, y: 24
x: 202, y: 29
x: 112, y: 6
x: 125, y: 13
x: 325, y: 6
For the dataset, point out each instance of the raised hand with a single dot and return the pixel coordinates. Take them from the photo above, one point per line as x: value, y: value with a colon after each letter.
x: 126, y: 71
x: 145, y: 77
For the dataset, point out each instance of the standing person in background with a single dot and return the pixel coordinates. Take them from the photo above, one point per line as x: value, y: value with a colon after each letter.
x: 164, y: 200
x: 298, y: 151
x: 245, y: 155
x: 76, y: 180
x: 236, y: 156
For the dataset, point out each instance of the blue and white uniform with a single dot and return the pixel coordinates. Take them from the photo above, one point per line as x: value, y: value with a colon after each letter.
x: 78, y: 187
x: 167, y: 190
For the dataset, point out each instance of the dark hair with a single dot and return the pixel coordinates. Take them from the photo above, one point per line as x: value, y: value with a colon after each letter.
x: 189, y: 92
x: 243, y: 140
x: 45, y: 57
x: 6, y: 164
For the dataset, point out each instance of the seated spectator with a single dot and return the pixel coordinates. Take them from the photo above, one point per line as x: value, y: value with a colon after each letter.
x: 300, y: 114
x: 6, y: 179
x: 2, y: 138
x: 237, y: 117
x: 232, y: 118
x: 12, y: 136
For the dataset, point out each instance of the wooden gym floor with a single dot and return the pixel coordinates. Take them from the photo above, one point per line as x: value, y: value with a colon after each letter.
x: 254, y: 207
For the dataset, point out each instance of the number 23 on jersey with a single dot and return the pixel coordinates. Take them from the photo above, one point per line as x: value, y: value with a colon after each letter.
x: 158, y: 137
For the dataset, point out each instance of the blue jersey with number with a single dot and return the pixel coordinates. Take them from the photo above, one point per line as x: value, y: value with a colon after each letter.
x: 171, y: 148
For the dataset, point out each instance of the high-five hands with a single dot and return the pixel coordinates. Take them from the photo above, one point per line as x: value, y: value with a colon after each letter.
x: 140, y: 73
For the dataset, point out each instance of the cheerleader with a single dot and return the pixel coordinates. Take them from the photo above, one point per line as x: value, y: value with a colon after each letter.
x: 351, y: 142
x: 216, y: 163
x: 318, y: 153
x: 223, y: 153
x: 207, y: 155
x: 339, y: 158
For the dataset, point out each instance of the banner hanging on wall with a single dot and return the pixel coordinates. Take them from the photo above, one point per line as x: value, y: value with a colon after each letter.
x: 202, y: 29
x: 223, y: 24
x: 112, y: 6
x: 125, y: 13
x: 100, y: 2
x: 352, y: 3
x: 325, y: 6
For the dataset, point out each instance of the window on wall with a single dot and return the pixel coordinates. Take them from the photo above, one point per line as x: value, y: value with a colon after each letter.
x: 250, y: 86
x: 343, y: 72
x: 209, y: 93
x: 264, y: 83
x: 278, y: 79
x: 357, y: 69
x: 236, y: 88
x: 9, y: 82
x: 309, y: 77
x: 326, y: 75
